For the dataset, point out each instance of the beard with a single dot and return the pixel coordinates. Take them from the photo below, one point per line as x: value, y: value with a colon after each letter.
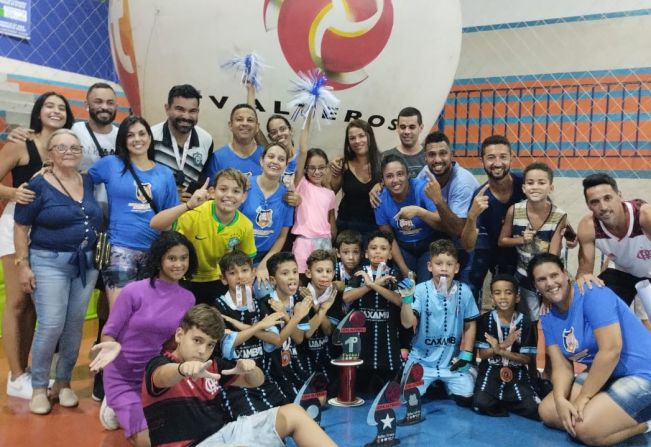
x: 506, y: 171
x: 183, y: 126
x: 102, y: 121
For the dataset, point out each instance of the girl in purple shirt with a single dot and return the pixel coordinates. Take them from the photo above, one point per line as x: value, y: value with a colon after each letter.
x: 144, y: 317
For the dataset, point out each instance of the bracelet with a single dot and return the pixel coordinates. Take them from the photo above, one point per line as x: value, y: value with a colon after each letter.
x: 20, y: 259
x: 465, y: 355
x: 409, y: 299
x: 179, y: 370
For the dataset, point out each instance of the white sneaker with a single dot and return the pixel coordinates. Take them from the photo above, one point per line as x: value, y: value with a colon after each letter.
x: 21, y: 387
x: 107, y: 417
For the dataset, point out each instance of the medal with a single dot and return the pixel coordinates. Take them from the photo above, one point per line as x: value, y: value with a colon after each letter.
x: 285, y: 356
x: 506, y: 374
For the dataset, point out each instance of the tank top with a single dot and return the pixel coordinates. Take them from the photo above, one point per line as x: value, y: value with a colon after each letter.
x: 631, y: 253
x: 355, y: 205
x: 23, y: 174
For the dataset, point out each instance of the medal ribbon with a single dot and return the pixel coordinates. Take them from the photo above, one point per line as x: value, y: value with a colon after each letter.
x: 500, y: 335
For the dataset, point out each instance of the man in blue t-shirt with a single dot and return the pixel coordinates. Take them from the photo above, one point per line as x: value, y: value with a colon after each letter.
x: 451, y: 192
x: 486, y: 214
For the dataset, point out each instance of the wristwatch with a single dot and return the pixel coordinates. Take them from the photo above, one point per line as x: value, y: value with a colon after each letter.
x: 20, y: 259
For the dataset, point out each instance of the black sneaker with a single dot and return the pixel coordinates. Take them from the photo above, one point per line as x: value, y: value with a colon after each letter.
x: 98, y: 387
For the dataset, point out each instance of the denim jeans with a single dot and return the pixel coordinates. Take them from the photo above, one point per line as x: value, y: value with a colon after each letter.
x: 61, y: 302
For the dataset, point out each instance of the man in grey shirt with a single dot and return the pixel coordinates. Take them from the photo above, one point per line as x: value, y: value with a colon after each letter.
x: 409, y: 127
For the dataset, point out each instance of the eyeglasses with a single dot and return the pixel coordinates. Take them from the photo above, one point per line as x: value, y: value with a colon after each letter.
x: 315, y: 169
x: 62, y: 149
x: 279, y: 130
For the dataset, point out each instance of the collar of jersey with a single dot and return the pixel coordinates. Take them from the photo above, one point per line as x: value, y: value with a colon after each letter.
x: 220, y: 224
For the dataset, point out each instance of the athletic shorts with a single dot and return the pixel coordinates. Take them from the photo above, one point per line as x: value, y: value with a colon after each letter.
x: 455, y: 382
x: 631, y: 393
x: 7, y: 230
x: 248, y: 431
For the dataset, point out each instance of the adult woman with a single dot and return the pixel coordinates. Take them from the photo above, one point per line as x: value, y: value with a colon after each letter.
x: 143, y: 319
x: 51, y: 111
x: 355, y: 175
x: 137, y: 188
x: 57, y: 267
x: 610, y: 402
x: 407, y: 212
x: 271, y: 216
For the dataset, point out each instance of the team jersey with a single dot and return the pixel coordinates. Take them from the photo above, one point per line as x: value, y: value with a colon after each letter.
x: 225, y: 157
x: 212, y: 239
x: 269, y: 215
x: 129, y: 211
x: 245, y: 401
x: 440, y: 323
x: 573, y: 332
x: 199, y: 149
x: 188, y: 412
x: 632, y: 252
x: 381, y: 341
x: 406, y: 230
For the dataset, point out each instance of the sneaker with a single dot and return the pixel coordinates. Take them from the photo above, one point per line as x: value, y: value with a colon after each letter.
x: 40, y: 404
x: 68, y: 398
x: 21, y: 387
x: 98, y: 387
x: 107, y: 417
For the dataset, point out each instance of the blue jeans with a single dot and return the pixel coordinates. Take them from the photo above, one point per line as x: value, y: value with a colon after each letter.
x: 416, y: 256
x: 61, y: 302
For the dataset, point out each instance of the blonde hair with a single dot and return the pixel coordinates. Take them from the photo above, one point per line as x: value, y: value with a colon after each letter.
x: 242, y: 180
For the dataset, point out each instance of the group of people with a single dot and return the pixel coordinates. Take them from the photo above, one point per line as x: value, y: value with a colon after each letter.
x: 230, y: 269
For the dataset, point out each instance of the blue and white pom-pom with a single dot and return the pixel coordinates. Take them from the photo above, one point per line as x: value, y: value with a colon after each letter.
x: 312, y: 96
x: 250, y: 65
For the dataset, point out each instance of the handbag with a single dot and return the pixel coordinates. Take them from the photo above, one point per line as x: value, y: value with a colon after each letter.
x: 102, y: 251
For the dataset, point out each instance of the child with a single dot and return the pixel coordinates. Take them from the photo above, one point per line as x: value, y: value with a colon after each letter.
x: 505, y: 345
x: 372, y: 291
x: 242, y: 311
x: 349, y: 254
x: 533, y: 226
x: 215, y: 228
x: 445, y: 312
x: 314, y: 225
x: 181, y: 394
x: 289, y: 368
x: 320, y: 273
x: 143, y: 318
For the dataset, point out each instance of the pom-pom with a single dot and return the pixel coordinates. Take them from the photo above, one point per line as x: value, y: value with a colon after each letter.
x: 312, y: 96
x: 250, y: 66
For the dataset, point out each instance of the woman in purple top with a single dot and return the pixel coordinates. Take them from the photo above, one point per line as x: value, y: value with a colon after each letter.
x: 144, y: 317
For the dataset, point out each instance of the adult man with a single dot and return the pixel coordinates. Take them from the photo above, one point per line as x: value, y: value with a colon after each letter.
x: 620, y: 230
x: 179, y: 143
x: 409, y: 127
x: 451, y: 188
x: 486, y: 214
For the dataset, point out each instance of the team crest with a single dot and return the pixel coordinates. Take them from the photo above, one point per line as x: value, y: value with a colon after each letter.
x: 233, y: 242
x: 211, y: 385
x: 264, y: 217
x: 148, y: 190
x: 198, y: 158
x: 570, y: 342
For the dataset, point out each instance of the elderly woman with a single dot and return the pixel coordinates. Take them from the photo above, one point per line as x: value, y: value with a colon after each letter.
x: 57, y: 267
x: 611, y: 401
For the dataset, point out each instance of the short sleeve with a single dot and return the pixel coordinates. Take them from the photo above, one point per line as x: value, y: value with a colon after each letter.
x: 548, y: 329
x: 228, y: 345
x: 482, y: 328
x: 150, y: 369
x: 420, y: 296
x: 98, y: 173
x: 26, y: 214
x: 247, y: 244
x: 528, y: 344
x: 332, y: 203
x: 380, y: 213
x: 600, y: 307
x: 470, y: 311
x: 288, y: 221
x: 171, y: 197
x: 460, y: 199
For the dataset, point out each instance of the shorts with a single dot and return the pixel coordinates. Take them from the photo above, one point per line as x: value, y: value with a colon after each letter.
x: 455, y: 382
x: 126, y: 265
x: 7, y: 230
x: 631, y: 393
x: 304, y: 246
x: 254, y: 430
x: 529, y: 304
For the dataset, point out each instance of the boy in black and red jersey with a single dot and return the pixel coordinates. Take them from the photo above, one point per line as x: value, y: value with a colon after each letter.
x: 181, y: 394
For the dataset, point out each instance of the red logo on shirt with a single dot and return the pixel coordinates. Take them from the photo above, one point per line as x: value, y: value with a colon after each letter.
x: 644, y: 254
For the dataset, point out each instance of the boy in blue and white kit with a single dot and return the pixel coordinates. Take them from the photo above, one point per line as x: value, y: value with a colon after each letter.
x: 444, y: 311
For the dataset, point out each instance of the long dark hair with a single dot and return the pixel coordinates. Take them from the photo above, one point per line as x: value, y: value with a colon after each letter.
x: 373, y: 151
x: 121, y: 140
x: 35, y: 118
x: 161, y: 245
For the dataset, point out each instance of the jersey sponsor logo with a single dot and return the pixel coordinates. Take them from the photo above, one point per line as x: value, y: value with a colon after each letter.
x: 570, y: 343
x: 644, y: 254
x: 441, y: 341
x: 339, y: 38
x: 317, y: 343
x: 249, y: 353
x: 264, y: 217
x: 376, y: 315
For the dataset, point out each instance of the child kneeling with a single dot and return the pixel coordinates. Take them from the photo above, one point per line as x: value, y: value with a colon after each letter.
x: 181, y: 394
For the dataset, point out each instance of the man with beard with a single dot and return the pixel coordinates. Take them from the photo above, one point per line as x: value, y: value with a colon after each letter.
x: 621, y: 231
x: 409, y: 127
x: 451, y: 188
x: 179, y: 143
x: 486, y: 214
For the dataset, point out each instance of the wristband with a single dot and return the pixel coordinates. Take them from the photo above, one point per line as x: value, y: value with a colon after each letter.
x: 465, y: 355
x: 179, y: 370
x: 409, y: 299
